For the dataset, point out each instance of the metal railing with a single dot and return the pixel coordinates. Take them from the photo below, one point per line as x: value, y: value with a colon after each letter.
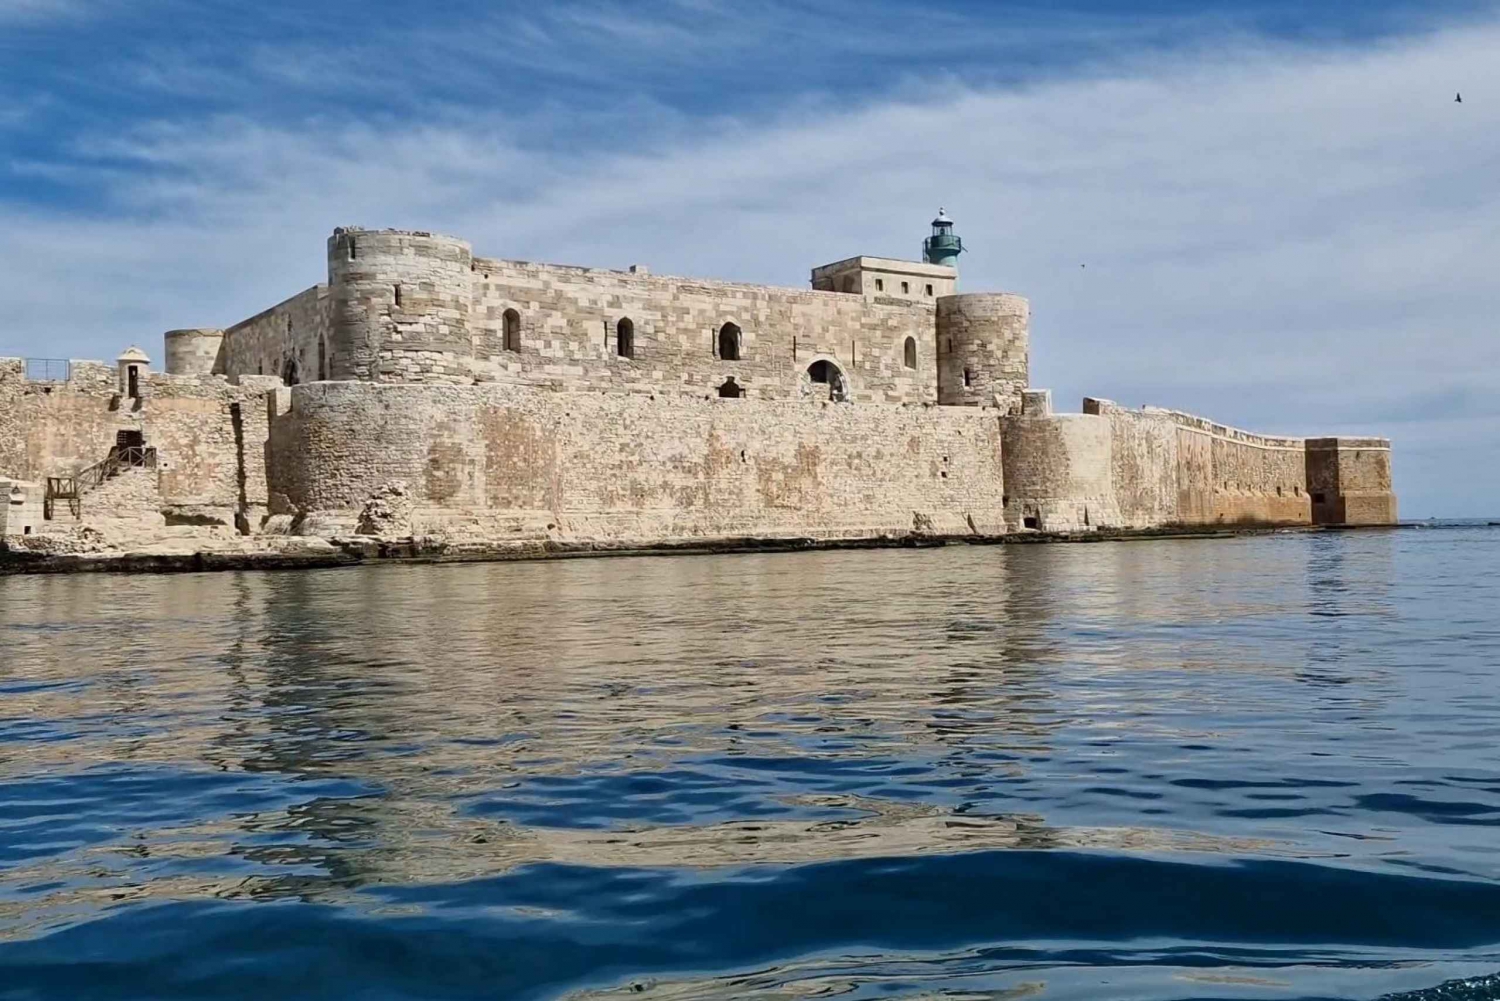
x: 48, y: 370
x: 71, y: 487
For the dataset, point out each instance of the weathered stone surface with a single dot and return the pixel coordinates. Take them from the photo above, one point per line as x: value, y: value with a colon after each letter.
x: 460, y: 407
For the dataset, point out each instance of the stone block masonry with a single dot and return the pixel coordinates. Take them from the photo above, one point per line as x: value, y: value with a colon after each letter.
x: 500, y: 405
x: 516, y: 463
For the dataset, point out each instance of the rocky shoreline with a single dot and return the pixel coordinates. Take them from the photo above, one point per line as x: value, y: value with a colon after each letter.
x: 43, y: 554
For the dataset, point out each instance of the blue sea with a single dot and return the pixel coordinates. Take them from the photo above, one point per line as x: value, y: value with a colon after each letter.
x: 1264, y: 767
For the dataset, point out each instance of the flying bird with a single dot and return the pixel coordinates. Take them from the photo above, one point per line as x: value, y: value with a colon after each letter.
x: 1458, y: 98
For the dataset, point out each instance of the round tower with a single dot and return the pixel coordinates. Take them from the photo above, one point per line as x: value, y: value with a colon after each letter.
x: 983, y: 345
x: 195, y: 351
x: 400, y: 306
x: 943, y: 246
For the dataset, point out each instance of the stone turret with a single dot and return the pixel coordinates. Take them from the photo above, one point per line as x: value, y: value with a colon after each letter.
x: 401, y: 304
x: 194, y: 351
x: 983, y: 342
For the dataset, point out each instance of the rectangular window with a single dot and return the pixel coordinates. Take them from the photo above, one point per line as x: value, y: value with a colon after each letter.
x: 398, y: 295
x: 905, y: 288
x: 929, y: 290
x: 879, y: 285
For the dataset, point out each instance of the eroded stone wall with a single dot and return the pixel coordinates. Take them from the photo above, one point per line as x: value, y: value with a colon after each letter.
x: 209, y: 435
x: 517, y: 462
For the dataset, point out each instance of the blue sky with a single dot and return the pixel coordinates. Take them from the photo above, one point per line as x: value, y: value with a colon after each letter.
x: 1287, y: 222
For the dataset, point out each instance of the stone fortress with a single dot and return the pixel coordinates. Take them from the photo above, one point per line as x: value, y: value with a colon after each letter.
x: 507, y: 407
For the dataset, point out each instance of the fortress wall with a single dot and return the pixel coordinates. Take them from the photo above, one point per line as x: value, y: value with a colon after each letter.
x: 1232, y: 476
x: 568, y: 339
x: 281, y: 341
x: 1057, y: 470
x: 1143, y: 463
x: 523, y: 463
x: 209, y: 435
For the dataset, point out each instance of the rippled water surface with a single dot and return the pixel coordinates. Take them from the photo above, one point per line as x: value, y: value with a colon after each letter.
x: 1255, y: 768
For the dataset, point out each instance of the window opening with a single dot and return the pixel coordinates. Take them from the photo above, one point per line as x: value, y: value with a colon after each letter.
x: 512, y: 334
x: 322, y: 359
x: 625, y: 338
x: 911, y: 352
x: 731, y: 390
x: 1029, y: 521
x: 880, y: 285
x: 398, y: 295
x: 929, y: 290
x: 729, y: 342
x: 353, y: 252
x: 905, y: 287
x: 968, y: 379
x: 133, y: 378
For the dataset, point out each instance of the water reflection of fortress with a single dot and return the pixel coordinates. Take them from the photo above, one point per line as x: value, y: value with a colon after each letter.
x: 424, y: 390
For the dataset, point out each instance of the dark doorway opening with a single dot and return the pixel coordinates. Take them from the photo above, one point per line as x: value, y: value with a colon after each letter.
x: 731, y: 390
x: 625, y: 338
x: 729, y: 342
x: 133, y: 382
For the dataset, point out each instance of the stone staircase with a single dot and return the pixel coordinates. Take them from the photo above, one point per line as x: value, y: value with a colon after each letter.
x: 124, y: 485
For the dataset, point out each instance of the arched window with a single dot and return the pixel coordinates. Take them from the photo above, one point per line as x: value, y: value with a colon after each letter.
x: 625, y: 338
x: 911, y: 352
x: 322, y: 359
x: 729, y: 342
x: 731, y: 390
x: 512, y: 340
x: 289, y: 373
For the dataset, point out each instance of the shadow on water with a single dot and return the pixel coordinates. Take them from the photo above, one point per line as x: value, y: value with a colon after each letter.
x: 1261, y: 767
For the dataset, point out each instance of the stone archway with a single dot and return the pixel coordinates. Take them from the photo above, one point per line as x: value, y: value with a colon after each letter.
x: 824, y: 376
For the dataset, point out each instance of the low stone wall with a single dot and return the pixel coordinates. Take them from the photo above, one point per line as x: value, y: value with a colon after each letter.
x: 209, y: 434
x: 516, y: 462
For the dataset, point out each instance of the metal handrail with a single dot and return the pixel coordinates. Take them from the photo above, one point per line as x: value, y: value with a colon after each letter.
x: 48, y: 369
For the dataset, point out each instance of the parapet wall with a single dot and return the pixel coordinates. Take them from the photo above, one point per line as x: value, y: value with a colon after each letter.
x: 520, y: 463
x: 1171, y: 467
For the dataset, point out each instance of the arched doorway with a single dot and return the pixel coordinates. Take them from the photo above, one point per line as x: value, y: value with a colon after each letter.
x: 824, y: 373
x: 289, y: 372
x: 729, y: 342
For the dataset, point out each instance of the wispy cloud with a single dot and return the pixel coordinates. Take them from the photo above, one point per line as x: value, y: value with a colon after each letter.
x: 1288, y: 238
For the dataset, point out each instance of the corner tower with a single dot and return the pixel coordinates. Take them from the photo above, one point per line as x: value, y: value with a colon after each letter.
x: 400, y: 306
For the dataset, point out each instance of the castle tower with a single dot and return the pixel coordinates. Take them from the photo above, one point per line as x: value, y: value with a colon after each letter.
x: 942, y: 247
x: 195, y: 351
x: 400, y: 306
x: 983, y: 348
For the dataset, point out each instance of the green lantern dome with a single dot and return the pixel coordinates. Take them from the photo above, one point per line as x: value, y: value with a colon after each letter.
x: 942, y: 247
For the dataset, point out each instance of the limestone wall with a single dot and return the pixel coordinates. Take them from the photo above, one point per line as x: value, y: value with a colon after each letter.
x: 1058, y: 472
x: 194, y: 351
x: 1350, y: 481
x: 519, y: 463
x: 209, y: 435
x: 289, y: 341
x: 569, y: 320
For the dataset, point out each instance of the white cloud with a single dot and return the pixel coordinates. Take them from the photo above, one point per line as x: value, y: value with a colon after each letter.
x: 1292, y: 240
